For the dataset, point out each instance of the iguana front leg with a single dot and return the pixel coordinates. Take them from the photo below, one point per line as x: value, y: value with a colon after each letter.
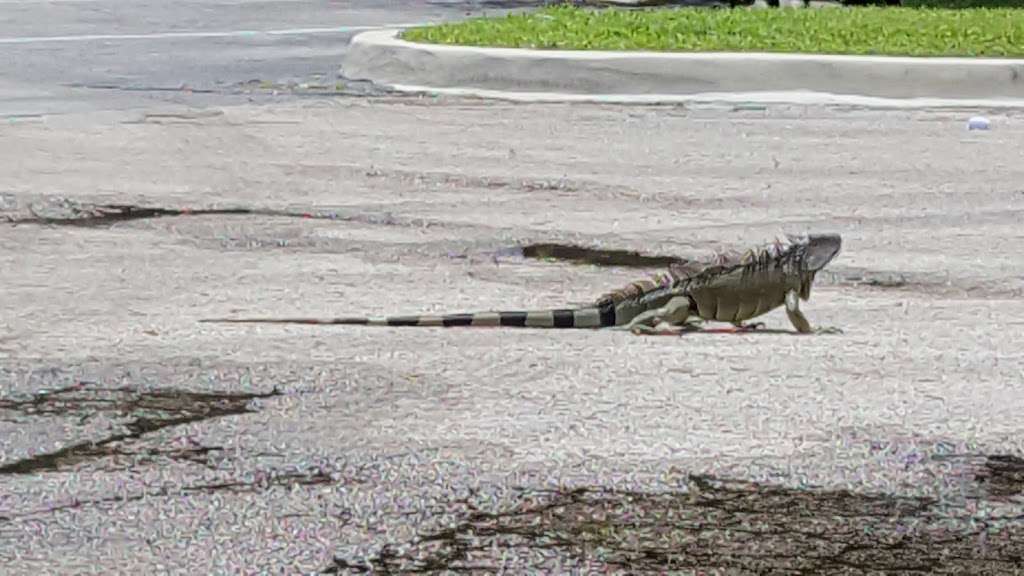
x: 799, y: 321
x: 669, y: 319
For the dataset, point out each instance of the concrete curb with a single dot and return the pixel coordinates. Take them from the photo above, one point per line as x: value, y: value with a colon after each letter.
x: 381, y: 57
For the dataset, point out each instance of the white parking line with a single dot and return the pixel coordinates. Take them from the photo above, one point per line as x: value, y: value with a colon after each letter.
x: 196, y: 34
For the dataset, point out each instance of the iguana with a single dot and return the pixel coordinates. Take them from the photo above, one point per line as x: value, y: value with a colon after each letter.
x: 732, y: 287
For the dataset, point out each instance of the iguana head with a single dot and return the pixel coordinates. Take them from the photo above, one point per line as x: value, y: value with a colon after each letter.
x: 818, y: 250
x: 813, y: 252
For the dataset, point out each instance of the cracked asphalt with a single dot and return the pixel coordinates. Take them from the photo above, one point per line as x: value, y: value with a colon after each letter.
x: 120, y: 231
x: 134, y: 439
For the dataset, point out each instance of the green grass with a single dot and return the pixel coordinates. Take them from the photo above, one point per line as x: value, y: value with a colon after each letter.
x: 866, y: 30
x: 963, y: 3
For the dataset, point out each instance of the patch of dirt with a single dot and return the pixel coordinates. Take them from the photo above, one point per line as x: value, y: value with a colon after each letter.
x: 144, y: 412
x: 726, y: 527
x: 1003, y: 476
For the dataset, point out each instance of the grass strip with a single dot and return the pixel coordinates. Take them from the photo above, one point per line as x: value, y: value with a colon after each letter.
x: 864, y: 30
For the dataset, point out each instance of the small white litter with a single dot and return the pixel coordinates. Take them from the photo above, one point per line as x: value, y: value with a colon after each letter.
x: 977, y: 123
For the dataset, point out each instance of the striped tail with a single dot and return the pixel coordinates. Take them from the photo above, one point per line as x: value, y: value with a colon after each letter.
x: 587, y: 317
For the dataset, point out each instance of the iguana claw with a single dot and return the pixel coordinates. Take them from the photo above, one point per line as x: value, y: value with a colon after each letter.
x: 828, y: 330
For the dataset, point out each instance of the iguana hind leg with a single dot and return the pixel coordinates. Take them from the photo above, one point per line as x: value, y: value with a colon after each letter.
x: 670, y: 319
x: 799, y: 321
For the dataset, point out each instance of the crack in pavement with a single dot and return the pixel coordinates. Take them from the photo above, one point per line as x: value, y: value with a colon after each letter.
x: 342, y: 87
x: 714, y: 524
x: 262, y: 482
x: 86, y: 215
x: 149, y: 411
x: 597, y: 256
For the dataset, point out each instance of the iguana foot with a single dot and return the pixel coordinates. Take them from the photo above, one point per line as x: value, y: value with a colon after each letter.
x: 828, y: 330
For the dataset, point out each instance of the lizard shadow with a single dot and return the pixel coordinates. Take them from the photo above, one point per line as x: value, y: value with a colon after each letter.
x: 732, y: 332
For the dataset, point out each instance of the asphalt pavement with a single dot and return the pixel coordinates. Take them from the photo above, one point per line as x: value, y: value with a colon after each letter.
x: 68, y: 55
x: 135, y: 439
